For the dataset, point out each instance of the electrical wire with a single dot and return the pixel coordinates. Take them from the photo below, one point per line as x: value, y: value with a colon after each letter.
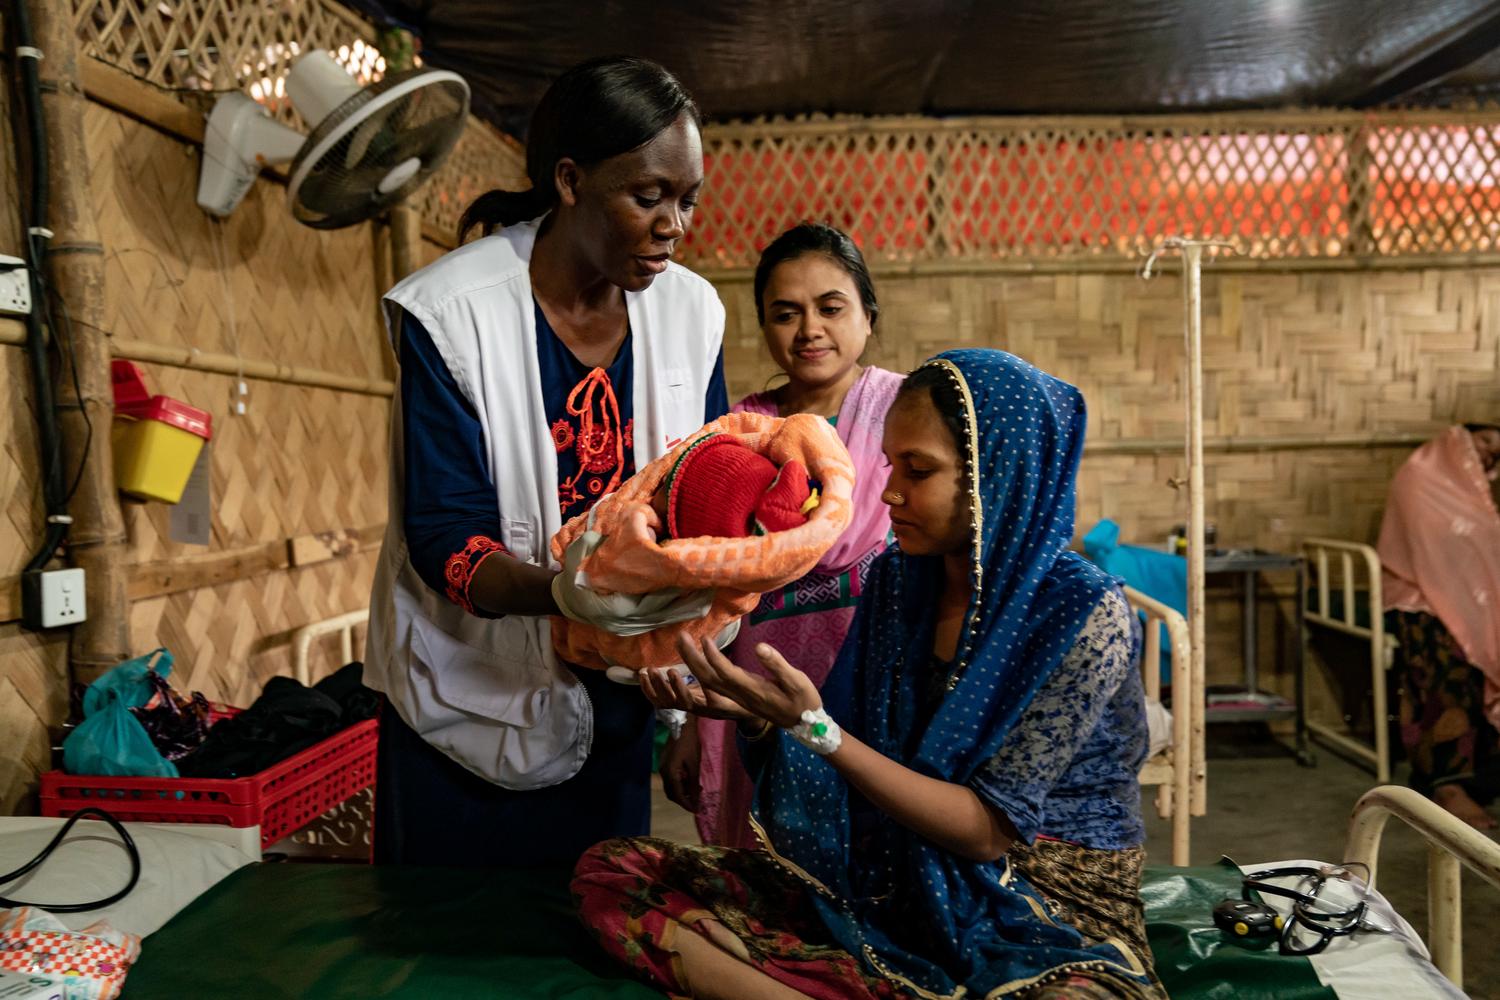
x: 130, y: 849
x: 58, y: 305
x: 216, y: 238
x: 49, y: 438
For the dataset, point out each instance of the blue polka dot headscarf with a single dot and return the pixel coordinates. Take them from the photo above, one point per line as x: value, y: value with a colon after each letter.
x: 1025, y: 432
x: 904, y: 906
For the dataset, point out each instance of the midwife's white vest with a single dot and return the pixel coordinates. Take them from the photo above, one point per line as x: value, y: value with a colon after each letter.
x: 490, y: 693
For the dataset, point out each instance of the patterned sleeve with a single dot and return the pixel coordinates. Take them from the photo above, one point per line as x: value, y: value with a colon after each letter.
x: 1060, y: 719
x: 451, y: 518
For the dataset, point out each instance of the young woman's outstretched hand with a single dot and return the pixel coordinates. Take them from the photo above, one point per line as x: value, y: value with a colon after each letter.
x: 724, y: 691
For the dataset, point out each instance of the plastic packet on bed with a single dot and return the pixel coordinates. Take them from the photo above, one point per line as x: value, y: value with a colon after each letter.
x: 21, y: 986
x: 90, y: 964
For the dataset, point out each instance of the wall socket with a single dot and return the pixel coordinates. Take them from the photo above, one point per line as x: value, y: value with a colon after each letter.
x: 15, y: 287
x: 53, y: 598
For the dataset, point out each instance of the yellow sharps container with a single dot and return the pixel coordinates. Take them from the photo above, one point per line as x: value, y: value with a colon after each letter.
x: 156, y: 438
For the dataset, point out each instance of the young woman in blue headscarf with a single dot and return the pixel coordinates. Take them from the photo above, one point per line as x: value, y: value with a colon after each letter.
x: 957, y: 814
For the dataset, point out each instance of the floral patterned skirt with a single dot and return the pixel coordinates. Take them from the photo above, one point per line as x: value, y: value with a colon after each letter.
x: 1443, y: 726
x: 637, y: 894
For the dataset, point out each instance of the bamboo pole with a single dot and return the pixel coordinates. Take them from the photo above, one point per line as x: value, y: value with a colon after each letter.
x: 97, y: 540
x: 176, y: 576
x: 1361, y: 168
x: 1099, y: 263
x: 114, y: 88
x: 399, y: 50
x: 266, y: 371
x: 406, y: 239
x: 1260, y: 443
x: 441, y: 237
x: 193, y: 359
x: 1292, y: 119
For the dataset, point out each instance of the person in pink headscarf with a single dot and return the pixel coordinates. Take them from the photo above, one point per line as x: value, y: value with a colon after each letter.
x: 1440, y: 560
x: 817, y: 309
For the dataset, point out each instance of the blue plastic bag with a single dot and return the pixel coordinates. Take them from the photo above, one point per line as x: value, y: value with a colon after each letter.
x: 127, y: 682
x: 110, y: 740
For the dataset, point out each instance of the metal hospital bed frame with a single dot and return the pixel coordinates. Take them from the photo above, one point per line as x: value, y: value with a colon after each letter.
x: 1179, y: 772
x: 1358, y: 569
x: 302, y: 639
x: 1452, y: 845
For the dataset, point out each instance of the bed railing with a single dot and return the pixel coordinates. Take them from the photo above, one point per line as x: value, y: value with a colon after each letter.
x: 1357, y: 564
x: 1180, y: 775
x: 344, y: 625
x: 1451, y: 846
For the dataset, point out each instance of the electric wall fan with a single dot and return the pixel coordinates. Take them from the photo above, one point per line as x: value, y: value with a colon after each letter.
x: 369, y: 147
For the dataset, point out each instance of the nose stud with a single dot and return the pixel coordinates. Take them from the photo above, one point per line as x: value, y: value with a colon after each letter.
x: 895, y: 499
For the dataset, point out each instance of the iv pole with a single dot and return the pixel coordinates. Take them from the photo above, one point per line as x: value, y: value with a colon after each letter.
x: 1192, y: 328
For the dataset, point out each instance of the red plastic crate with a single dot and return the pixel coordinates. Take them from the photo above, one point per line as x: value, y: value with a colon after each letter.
x: 282, y: 799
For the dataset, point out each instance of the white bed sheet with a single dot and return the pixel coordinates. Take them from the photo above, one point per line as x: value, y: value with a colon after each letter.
x: 178, y: 863
x: 1369, y: 965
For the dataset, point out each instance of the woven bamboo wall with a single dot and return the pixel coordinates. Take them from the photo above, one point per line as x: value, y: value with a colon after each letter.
x: 304, y: 462
x: 32, y: 668
x: 484, y: 159
x: 301, y: 460
x: 1303, y: 355
x: 32, y: 694
x: 199, y: 49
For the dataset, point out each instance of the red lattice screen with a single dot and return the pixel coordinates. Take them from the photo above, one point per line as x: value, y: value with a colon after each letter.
x: 1310, y: 185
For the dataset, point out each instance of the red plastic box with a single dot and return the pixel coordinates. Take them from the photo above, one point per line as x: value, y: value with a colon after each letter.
x: 282, y: 799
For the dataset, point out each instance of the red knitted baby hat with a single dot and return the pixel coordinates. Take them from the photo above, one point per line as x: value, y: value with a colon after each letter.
x: 721, y: 488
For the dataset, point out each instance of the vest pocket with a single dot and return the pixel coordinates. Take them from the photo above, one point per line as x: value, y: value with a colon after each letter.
x: 510, y: 687
x: 676, y: 383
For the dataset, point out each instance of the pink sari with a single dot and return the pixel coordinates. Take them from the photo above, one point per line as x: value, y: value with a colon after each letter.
x: 806, y: 620
x: 1440, y: 550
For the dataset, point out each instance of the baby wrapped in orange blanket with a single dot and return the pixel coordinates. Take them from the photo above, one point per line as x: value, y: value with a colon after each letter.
x: 639, y: 556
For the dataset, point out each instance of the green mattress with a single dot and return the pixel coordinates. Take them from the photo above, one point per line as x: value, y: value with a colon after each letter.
x: 330, y: 931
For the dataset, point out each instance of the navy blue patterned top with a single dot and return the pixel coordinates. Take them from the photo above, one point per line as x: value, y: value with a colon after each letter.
x: 1068, y: 769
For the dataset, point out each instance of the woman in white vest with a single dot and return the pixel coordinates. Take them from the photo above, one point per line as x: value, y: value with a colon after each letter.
x: 540, y: 366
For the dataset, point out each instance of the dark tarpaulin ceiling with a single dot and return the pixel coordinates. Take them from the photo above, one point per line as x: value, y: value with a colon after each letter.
x: 953, y: 57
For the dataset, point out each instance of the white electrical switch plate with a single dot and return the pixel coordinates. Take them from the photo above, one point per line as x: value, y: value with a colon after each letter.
x: 62, y: 598
x: 15, y: 287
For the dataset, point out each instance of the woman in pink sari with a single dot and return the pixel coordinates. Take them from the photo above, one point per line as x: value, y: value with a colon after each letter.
x: 1440, y: 559
x: 816, y: 306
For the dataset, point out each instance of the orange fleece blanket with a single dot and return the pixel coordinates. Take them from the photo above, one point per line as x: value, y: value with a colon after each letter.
x: 631, y: 560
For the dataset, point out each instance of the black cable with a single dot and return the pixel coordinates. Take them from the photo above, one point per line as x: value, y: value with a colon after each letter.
x: 88, y: 425
x: 48, y: 436
x: 130, y: 849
